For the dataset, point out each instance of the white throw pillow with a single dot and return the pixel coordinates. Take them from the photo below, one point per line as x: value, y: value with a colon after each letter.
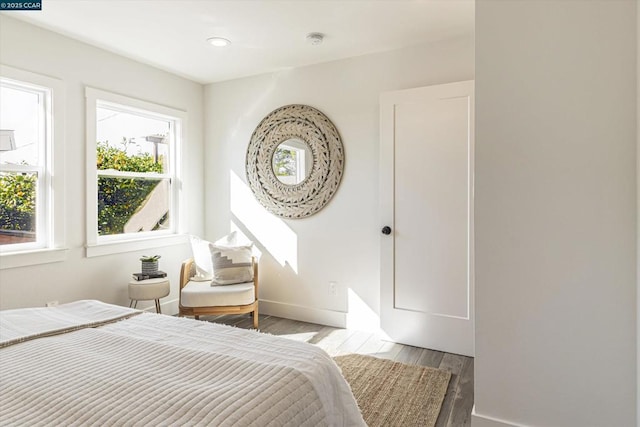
x: 233, y: 239
x: 231, y: 264
x: 225, y: 262
x: 202, y: 258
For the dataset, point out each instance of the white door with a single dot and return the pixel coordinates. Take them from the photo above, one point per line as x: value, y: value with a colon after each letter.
x: 426, y: 194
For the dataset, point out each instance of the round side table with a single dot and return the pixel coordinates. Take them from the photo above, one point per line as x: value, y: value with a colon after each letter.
x: 150, y: 289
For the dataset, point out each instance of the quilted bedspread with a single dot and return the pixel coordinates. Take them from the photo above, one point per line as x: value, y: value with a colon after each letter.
x: 90, y: 363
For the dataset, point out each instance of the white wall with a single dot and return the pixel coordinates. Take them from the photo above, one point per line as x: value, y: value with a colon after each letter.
x: 37, y: 50
x: 555, y: 213
x: 341, y: 242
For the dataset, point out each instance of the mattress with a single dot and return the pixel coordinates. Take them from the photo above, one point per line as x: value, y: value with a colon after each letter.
x: 91, y: 363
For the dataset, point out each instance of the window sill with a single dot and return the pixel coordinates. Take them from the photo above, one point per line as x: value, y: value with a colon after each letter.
x: 33, y: 257
x: 110, y: 248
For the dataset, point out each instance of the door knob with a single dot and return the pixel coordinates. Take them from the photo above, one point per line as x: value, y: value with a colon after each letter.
x: 386, y: 230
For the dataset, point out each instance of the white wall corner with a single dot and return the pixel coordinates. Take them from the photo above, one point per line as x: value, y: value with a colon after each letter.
x: 478, y: 420
x: 336, y: 319
x: 637, y: 214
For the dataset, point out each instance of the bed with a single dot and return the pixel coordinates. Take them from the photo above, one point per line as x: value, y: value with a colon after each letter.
x: 91, y: 363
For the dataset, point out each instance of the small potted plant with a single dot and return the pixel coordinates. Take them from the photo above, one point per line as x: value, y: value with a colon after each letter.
x: 149, y: 264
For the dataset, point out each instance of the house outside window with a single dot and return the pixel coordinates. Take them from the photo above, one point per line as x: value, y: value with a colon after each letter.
x: 31, y: 168
x: 132, y: 168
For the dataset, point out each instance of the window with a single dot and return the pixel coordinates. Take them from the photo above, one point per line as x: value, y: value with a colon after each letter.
x: 31, y: 168
x: 132, y: 168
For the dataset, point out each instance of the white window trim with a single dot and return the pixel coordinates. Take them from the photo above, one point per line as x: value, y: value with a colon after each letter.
x: 54, y: 247
x: 106, y: 245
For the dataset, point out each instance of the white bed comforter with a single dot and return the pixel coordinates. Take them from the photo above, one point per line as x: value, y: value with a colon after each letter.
x: 66, y: 366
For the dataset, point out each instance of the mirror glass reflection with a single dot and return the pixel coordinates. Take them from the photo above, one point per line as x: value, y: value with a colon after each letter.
x: 292, y: 161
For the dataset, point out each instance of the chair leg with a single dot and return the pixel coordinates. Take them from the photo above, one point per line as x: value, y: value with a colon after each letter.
x: 195, y: 316
x: 158, y: 306
x: 255, y: 318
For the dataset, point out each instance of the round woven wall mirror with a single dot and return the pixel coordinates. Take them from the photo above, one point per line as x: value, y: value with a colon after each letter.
x: 295, y: 161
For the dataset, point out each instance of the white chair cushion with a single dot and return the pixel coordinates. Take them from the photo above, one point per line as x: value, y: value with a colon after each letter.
x: 202, y: 294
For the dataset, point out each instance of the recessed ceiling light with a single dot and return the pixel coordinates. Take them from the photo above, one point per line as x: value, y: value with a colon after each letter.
x: 315, y: 38
x: 218, y: 41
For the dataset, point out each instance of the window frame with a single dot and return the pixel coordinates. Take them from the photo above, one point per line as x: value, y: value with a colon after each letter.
x: 50, y: 208
x: 102, y: 245
x: 41, y: 169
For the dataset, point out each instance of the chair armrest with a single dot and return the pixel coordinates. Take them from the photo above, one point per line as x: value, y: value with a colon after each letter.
x: 254, y: 263
x: 186, y: 272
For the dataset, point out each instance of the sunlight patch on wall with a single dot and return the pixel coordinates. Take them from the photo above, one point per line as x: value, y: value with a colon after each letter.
x: 272, y: 232
x: 242, y: 237
x: 360, y: 316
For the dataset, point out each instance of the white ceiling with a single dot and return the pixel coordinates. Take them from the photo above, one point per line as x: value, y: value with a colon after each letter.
x: 266, y: 35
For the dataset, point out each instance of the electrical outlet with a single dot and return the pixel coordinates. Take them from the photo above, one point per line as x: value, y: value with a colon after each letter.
x: 52, y: 303
x: 333, y: 288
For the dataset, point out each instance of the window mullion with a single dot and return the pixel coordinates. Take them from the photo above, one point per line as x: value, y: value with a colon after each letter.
x: 136, y: 175
x: 21, y: 168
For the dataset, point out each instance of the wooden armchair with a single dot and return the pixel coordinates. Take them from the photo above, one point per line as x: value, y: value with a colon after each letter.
x: 200, y: 298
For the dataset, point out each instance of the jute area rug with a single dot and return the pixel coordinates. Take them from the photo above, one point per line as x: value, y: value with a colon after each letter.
x: 394, y: 394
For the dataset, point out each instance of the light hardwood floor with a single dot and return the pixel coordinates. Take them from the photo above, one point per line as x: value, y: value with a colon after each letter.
x: 456, y: 408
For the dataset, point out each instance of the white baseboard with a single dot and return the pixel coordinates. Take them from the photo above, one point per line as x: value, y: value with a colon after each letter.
x: 336, y: 319
x: 479, y: 420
